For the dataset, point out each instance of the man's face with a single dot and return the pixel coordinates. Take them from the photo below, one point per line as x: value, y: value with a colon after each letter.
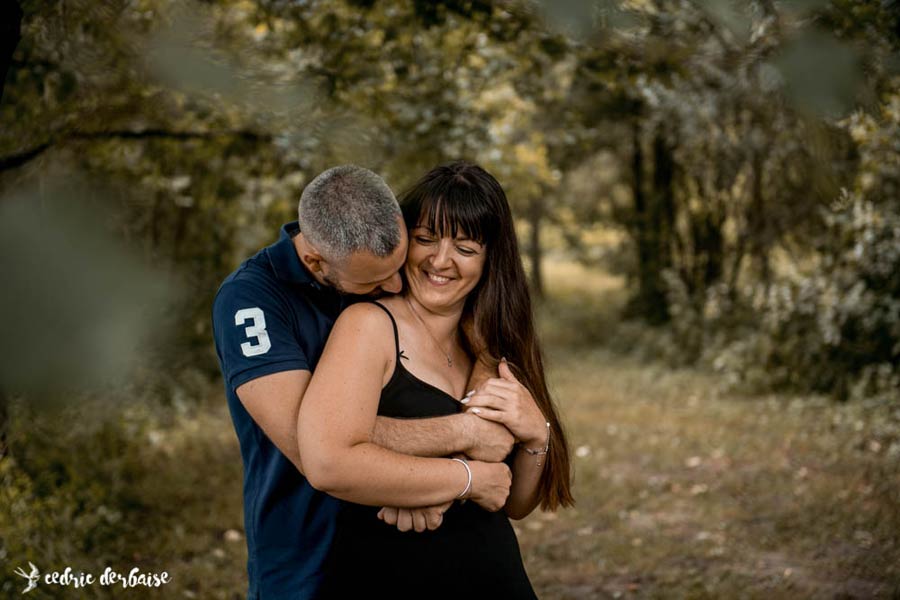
x: 364, y: 274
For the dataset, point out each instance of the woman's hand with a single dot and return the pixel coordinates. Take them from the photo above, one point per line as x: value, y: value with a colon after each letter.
x: 507, y: 401
x: 490, y: 484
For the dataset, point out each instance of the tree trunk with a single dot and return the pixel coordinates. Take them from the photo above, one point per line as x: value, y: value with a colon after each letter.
x: 535, y: 216
x: 4, y: 423
x: 10, y: 33
x: 664, y: 200
x: 640, y: 227
x: 756, y: 222
x: 653, y: 225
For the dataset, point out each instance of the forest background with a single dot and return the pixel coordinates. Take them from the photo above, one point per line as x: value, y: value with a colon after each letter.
x: 708, y: 199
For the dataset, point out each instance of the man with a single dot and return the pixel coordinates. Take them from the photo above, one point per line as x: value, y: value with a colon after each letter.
x: 271, y: 318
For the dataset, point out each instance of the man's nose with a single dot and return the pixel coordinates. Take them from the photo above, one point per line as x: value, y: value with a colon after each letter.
x: 393, y: 285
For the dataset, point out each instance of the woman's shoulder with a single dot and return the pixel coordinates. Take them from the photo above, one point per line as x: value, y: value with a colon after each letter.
x: 363, y: 332
x: 365, y: 318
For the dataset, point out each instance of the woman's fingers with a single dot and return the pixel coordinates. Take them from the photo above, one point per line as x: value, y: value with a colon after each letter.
x: 420, y: 519
x: 433, y: 517
x: 487, y: 400
x: 419, y: 522
x: 404, y: 520
x: 388, y: 514
x: 490, y: 414
x: 505, y: 372
x: 500, y: 383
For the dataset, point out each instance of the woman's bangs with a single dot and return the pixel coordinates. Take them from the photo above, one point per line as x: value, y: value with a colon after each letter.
x: 457, y: 212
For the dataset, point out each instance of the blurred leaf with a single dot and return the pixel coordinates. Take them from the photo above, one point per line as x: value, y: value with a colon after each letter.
x: 177, y: 56
x: 732, y: 14
x: 804, y: 5
x: 580, y: 18
x: 821, y: 74
x: 77, y: 303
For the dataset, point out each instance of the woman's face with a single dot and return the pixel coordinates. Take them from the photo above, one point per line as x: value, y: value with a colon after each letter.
x: 441, y: 271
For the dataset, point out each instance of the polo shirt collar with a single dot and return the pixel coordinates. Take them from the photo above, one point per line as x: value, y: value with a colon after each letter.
x: 284, y: 260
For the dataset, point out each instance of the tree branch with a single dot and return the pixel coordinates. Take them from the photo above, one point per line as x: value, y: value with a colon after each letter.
x: 14, y: 161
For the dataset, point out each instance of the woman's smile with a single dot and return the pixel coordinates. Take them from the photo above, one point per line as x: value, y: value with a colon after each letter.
x: 435, y: 279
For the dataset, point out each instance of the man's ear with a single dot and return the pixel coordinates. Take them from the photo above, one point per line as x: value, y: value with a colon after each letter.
x: 312, y: 260
x: 309, y: 256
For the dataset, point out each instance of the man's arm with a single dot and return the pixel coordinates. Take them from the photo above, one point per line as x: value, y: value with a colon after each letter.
x: 273, y: 402
x: 442, y: 436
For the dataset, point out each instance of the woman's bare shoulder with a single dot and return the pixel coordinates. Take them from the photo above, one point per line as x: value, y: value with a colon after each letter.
x: 364, y: 318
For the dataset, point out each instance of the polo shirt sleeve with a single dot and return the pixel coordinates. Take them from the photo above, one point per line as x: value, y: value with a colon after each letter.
x: 254, y: 334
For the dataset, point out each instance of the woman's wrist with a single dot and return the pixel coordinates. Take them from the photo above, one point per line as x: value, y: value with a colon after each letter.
x: 540, y: 451
x: 467, y: 491
x: 538, y: 439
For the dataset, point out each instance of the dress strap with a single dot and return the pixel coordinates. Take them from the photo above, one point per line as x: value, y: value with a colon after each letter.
x: 394, y: 325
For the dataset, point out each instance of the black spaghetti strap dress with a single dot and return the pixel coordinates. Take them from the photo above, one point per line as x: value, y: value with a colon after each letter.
x: 473, y: 554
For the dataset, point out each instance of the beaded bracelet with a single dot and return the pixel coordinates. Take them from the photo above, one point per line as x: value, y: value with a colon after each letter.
x: 543, y: 450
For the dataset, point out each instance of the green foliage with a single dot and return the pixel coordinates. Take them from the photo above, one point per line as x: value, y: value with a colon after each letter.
x: 692, y: 129
x: 68, y: 491
x: 103, y: 481
x: 835, y: 325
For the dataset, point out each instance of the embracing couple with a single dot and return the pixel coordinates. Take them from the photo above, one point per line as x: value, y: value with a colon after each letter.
x: 386, y: 385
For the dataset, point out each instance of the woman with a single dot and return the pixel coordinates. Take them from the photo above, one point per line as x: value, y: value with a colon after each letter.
x: 463, y: 267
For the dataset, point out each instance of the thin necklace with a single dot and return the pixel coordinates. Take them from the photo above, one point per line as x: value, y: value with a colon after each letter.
x: 431, y: 335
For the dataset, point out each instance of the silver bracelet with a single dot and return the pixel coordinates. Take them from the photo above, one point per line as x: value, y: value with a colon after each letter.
x: 463, y: 462
x: 543, y: 450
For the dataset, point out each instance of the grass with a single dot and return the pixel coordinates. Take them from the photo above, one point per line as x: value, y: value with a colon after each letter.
x: 685, y: 492
x: 683, y: 488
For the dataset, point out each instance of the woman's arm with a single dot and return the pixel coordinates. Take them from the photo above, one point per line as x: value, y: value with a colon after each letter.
x: 523, y: 495
x: 336, y: 420
x: 505, y: 400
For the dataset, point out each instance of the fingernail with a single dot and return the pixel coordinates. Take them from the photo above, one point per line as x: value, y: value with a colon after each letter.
x: 477, y: 411
x: 464, y: 400
x: 470, y: 393
x: 503, y: 359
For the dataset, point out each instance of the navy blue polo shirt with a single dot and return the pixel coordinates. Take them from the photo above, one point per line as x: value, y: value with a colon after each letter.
x: 270, y: 315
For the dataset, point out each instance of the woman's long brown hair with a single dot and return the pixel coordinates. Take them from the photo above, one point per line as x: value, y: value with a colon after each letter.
x: 464, y: 198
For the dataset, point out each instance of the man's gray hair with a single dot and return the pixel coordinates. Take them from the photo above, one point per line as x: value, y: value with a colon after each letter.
x: 350, y: 209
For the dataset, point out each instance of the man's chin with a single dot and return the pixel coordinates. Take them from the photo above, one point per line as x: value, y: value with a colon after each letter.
x: 374, y: 295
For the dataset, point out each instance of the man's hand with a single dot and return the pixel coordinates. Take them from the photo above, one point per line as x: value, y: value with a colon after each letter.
x: 420, y: 519
x: 488, y: 441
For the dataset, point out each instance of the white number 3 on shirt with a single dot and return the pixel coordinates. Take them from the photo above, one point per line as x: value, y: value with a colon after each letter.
x: 256, y: 330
